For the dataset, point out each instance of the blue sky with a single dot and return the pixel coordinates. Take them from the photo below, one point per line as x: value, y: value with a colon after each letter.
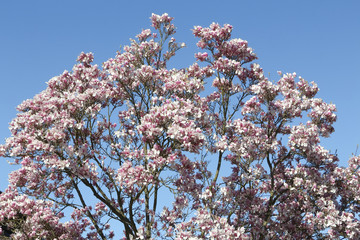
x: 320, y: 40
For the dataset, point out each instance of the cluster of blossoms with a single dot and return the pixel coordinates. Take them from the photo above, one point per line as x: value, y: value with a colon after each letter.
x: 238, y: 156
x: 35, y: 219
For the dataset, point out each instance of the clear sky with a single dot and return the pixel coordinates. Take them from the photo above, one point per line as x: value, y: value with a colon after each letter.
x: 320, y: 40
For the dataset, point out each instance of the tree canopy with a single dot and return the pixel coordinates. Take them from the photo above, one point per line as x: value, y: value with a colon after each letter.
x: 235, y: 155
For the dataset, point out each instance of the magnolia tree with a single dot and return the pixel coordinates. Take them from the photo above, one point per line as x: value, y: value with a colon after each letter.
x: 235, y: 155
